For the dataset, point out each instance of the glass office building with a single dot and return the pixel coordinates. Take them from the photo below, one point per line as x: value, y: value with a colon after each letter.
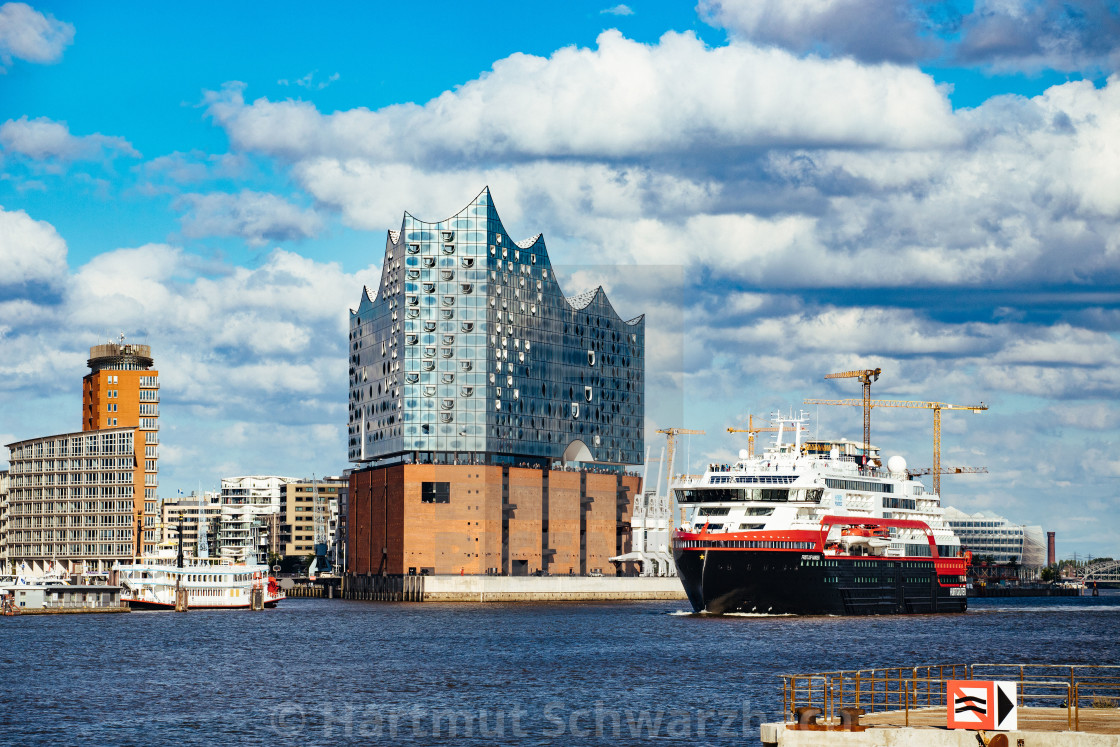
x: 469, y: 353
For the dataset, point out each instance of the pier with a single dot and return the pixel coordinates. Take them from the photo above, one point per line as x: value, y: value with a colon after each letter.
x: 452, y: 588
x: 1057, y: 705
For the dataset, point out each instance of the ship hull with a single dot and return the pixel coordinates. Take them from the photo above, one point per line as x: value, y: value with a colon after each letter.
x: 806, y: 583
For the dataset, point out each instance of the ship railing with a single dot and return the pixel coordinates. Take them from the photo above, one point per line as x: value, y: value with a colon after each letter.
x: 898, y: 692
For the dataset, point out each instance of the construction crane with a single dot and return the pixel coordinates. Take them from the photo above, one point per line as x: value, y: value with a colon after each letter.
x: 937, y: 407
x: 948, y: 471
x: 865, y: 376
x: 322, y: 563
x: 750, y: 430
x: 671, y: 439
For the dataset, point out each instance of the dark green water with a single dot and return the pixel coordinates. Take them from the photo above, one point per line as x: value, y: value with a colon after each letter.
x: 329, y: 671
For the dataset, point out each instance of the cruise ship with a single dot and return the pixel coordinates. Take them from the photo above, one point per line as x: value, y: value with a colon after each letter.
x: 816, y: 527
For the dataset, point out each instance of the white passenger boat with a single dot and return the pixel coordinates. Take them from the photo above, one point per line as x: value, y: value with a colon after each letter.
x: 209, y: 585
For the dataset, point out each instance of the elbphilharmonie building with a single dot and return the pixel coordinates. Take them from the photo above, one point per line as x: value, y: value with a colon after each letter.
x: 470, y: 353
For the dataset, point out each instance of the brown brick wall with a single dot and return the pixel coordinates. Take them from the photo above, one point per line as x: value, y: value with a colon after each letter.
x: 465, y: 535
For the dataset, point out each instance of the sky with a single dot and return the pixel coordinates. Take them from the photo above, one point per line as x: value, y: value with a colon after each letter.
x: 786, y: 188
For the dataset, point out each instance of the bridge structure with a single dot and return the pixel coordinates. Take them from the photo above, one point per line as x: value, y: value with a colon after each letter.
x: 1107, y: 571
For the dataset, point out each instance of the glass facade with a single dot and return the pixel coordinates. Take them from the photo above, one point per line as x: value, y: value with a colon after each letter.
x: 470, y: 352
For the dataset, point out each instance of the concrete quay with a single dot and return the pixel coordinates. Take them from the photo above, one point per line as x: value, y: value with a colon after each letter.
x: 1042, y: 727
x: 452, y: 588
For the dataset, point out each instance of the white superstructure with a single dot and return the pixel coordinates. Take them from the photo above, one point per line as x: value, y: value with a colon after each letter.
x: 792, y: 486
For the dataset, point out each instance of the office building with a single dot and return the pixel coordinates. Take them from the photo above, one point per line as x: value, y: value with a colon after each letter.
x: 473, y: 379
x: 988, y: 536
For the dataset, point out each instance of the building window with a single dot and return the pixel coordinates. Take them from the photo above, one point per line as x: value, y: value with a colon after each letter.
x: 435, y: 492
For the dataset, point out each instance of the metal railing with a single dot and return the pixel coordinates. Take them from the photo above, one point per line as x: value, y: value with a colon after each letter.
x: 901, y: 690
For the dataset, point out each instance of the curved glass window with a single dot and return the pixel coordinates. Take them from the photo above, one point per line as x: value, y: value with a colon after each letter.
x: 446, y: 274
x: 448, y: 248
x: 428, y: 261
x: 467, y: 326
x: 413, y: 248
x: 429, y: 326
x: 467, y: 261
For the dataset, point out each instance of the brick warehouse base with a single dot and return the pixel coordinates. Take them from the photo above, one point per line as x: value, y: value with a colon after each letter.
x: 475, y: 519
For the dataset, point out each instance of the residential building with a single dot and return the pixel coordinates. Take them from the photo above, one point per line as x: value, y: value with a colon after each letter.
x: 254, y: 489
x: 122, y: 390
x: 88, y: 499
x: 235, y: 531
x: 472, y: 380
x: 5, y: 567
x: 72, y: 498
x: 297, y: 514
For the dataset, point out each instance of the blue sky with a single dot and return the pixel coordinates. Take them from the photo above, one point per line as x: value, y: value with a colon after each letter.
x: 785, y: 188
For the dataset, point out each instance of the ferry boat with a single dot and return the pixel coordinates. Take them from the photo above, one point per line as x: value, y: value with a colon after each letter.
x: 153, y: 584
x: 816, y: 528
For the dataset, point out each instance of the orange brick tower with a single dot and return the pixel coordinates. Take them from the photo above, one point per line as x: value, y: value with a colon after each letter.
x: 122, y: 391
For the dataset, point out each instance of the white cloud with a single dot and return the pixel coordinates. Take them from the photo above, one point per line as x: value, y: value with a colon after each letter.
x: 257, y: 217
x: 196, y: 166
x: 42, y: 139
x: 27, y: 34
x: 617, y: 10
x: 31, y: 251
x: 622, y: 99
x: 868, y: 29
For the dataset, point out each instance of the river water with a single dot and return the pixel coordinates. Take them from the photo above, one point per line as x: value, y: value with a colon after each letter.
x: 330, y: 671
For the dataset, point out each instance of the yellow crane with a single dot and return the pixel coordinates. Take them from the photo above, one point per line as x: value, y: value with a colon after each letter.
x: 937, y: 407
x: 865, y: 376
x: 750, y: 430
x: 948, y: 471
x: 671, y: 438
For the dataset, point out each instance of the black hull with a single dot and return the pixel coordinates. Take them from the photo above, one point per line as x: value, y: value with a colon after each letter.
x: 800, y: 583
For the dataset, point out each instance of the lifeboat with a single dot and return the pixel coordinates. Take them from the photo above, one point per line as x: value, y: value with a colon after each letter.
x: 865, y: 536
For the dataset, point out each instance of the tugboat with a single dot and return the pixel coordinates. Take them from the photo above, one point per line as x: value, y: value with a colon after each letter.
x: 816, y: 528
